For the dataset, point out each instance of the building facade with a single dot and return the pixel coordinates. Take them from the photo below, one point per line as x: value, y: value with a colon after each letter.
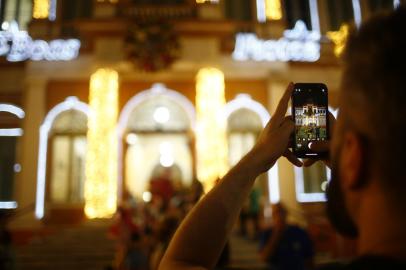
x: 50, y: 50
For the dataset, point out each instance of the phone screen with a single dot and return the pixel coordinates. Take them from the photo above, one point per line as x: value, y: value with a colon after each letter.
x: 309, y: 110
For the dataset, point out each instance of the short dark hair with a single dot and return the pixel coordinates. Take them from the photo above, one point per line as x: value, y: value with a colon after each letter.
x: 374, y: 84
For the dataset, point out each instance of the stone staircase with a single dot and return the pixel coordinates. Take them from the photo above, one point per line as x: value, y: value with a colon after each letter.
x: 244, y: 254
x: 79, y: 247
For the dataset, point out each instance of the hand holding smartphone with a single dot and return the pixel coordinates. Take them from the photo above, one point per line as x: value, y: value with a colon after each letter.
x: 310, y: 114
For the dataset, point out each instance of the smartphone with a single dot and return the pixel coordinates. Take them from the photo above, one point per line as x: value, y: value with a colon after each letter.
x: 310, y: 114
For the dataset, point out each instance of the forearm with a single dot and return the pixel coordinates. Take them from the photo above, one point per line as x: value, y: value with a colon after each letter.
x: 202, y: 235
x: 270, y: 247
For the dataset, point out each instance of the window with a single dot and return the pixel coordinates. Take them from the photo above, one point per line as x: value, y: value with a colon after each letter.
x: 16, y: 10
x: 340, y: 12
x: 315, y: 178
x: 297, y: 10
x: 7, y: 169
x: 68, y: 148
x: 10, y: 116
x: 239, y: 10
x: 243, y: 127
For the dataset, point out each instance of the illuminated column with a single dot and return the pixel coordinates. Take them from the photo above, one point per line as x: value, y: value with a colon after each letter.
x: 101, y: 161
x: 41, y: 9
x: 273, y: 9
x: 269, y: 10
x: 211, y: 141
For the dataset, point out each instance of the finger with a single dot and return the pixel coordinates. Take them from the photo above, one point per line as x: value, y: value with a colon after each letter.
x: 282, y: 107
x: 320, y: 146
x: 292, y: 158
x: 309, y: 162
x: 287, y: 126
x: 331, y: 122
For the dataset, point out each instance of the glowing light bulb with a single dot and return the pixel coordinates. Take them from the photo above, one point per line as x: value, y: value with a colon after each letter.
x: 132, y: 139
x: 146, y: 196
x: 161, y: 115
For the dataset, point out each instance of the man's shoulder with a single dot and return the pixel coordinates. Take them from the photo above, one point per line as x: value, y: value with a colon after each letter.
x: 367, y: 262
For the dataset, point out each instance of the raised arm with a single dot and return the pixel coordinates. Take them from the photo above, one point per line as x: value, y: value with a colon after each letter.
x: 199, y: 240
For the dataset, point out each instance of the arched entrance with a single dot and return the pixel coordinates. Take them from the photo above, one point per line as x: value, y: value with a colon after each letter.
x: 155, y: 140
x: 246, y: 118
x: 61, y: 158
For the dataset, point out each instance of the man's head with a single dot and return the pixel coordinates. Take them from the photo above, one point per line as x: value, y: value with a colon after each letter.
x: 369, y: 143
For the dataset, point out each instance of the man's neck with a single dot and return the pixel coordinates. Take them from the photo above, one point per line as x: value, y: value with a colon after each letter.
x: 381, y: 227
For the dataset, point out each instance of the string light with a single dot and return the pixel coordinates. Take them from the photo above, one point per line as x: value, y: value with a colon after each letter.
x: 211, y: 141
x: 273, y: 9
x: 339, y: 38
x: 101, y: 160
x: 10, y: 108
x: 8, y: 205
x: 314, y: 15
x: 41, y: 9
x: 206, y: 1
x: 356, y: 6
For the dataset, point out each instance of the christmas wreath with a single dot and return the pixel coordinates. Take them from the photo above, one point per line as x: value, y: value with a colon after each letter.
x: 152, y: 45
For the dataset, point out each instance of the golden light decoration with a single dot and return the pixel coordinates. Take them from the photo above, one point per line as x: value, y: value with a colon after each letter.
x: 339, y: 38
x: 273, y: 9
x: 206, y: 1
x: 211, y: 140
x: 40, y: 9
x: 101, y: 161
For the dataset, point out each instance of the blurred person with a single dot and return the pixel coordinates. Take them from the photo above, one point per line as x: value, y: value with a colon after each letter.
x: 285, y: 246
x: 136, y: 257
x: 254, y: 210
x: 166, y: 229
x: 162, y: 187
x: 366, y: 195
x: 125, y: 232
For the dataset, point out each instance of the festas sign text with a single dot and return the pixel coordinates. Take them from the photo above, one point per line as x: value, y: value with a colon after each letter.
x: 17, y: 45
x: 297, y: 44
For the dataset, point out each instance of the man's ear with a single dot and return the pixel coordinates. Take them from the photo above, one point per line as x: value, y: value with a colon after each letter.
x: 352, y: 161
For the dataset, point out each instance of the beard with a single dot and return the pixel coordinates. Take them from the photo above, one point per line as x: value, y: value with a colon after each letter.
x: 337, y: 211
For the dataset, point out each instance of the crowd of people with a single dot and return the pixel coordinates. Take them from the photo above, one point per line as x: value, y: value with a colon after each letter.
x: 142, y: 229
